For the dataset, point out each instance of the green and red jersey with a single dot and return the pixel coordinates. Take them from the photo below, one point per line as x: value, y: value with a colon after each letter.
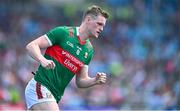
x: 69, y: 54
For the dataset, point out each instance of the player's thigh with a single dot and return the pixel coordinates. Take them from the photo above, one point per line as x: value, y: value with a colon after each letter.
x: 50, y: 106
x: 39, y: 96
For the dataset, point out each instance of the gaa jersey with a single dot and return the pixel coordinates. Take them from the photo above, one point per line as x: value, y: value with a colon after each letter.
x: 69, y: 54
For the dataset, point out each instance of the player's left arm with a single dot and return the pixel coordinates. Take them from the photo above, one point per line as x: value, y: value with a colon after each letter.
x: 83, y: 80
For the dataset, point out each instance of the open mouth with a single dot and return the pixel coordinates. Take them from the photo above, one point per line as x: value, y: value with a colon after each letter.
x: 98, y: 32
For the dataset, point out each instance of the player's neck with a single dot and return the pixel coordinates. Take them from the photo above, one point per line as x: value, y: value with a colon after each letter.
x: 83, y: 33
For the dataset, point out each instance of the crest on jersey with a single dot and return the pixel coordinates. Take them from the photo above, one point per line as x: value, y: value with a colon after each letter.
x: 48, y: 95
x: 85, y: 55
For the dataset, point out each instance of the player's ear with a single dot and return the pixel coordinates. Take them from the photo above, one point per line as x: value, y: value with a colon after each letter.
x: 88, y: 18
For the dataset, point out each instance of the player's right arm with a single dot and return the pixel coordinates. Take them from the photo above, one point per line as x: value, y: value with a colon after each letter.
x: 34, y: 49
x: 83, y: 80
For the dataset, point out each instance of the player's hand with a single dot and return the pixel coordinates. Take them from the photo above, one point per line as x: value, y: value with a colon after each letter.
x: 48, y: 64
x: 101, y: 78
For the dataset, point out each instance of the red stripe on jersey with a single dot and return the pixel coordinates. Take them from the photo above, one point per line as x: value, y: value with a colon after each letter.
x: 64, y: 58
x: 38, y: 90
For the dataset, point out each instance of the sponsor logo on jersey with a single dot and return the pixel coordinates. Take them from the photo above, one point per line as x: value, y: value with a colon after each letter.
x: 72, y: 58
x: 70, y: 44
x: 68, y: 63
x: 65, y: 58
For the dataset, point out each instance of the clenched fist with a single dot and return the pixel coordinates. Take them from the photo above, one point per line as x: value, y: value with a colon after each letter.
x: 48, y: 64
x: 101, y: 78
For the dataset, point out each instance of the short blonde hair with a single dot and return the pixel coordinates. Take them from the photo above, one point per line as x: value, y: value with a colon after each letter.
x: 94, y: 11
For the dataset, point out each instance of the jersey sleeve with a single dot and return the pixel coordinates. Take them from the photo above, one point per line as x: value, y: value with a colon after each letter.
x: 56, y: 35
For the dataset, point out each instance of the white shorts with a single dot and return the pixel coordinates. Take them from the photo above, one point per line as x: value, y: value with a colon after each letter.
x: 37, y: 93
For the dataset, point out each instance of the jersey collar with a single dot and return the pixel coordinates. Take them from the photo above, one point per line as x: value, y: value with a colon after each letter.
x: 80, y: 41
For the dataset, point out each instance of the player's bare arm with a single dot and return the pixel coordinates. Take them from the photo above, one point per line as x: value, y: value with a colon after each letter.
x: 84, y: 81
x: 34, y: 49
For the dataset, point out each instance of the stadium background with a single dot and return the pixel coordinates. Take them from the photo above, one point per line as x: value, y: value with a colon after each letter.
x: 139, y: 49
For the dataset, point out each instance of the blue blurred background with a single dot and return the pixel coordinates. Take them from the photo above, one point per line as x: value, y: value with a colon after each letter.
x: 139, y: 49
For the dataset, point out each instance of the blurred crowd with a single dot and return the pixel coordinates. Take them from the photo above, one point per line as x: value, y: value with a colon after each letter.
x: 139, y: 49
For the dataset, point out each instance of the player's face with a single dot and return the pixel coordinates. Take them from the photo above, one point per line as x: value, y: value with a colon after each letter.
x: 96, y: 26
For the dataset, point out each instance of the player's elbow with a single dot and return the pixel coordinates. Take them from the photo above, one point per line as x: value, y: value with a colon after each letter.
x: 78, y: 84
x: 29, y: 46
